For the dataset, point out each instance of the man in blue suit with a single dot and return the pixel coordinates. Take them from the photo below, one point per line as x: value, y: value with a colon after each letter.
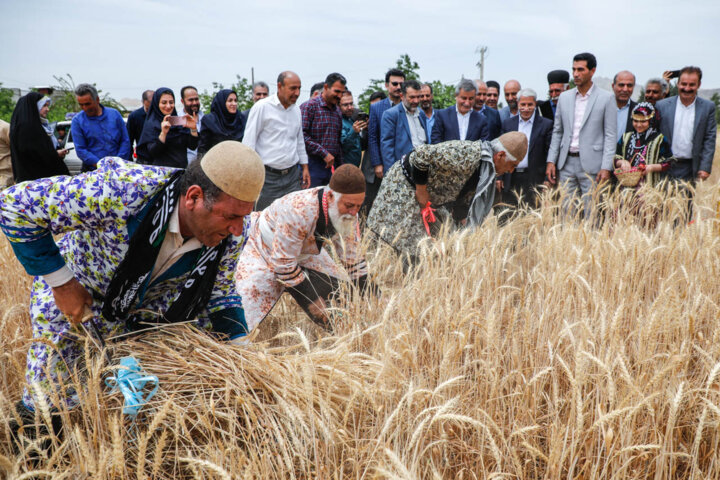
x: 491, y: 115
x: 460, y: 122
x: 688, y: 123
x: 530, y: 172
x: 403, y: 127
x: 372, y: 165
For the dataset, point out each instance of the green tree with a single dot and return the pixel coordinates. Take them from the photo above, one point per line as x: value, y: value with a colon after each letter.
x: 242, y: 87
x: 411, y: 69
x: 6, y: 103
x: 443, y: 95
x: 716, y: 100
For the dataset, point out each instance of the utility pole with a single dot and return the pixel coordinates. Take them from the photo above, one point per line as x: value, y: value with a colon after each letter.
x: 482, y: 50
x: 252, y: 75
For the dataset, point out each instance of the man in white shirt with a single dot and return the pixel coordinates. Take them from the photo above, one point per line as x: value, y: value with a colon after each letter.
x: 688, y: 123
x: 191, y: 106
x: 402, y: 128
x: 274, y: 131
x: 623, y: 86
x: 530, y: 172
x: 461, y: 121
x: 584, y: 136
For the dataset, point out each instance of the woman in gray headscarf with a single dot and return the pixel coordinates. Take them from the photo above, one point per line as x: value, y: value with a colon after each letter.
x: 442, y: 180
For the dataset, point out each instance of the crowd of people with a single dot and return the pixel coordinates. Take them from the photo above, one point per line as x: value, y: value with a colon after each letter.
x: 220, y: 213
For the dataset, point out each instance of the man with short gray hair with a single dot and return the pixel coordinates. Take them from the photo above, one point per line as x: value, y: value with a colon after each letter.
x: 655, y: 89
x: 461, y: 121
x: 260, y: 90
x: 98, y: 131
x: 530, y: 172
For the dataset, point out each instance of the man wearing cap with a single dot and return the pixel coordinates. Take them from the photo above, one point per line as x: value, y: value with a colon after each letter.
x: 435, y: 183
x: 558, y: 82
x: 289, y: 243
x: 134, y: 239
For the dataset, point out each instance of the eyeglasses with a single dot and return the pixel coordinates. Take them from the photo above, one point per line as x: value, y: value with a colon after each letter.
x: 395, y: 84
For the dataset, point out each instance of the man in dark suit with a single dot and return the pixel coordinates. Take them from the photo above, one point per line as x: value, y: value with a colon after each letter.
x: 688, y: 123
x: 491, y: 115
x: 393, y: 84
x: 403, y: 126
x: 530, y: 172
x: 461, y: 121
x: 623, y: 86
x: 558, y: 82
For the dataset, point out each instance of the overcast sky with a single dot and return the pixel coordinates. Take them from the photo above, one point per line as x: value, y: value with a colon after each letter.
x: 126, y: 46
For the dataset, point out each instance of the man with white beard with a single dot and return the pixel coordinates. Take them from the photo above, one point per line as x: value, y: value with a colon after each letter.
x: 288, y: 245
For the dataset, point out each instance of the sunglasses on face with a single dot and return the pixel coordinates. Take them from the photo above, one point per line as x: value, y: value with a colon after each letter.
x: 395, y: 84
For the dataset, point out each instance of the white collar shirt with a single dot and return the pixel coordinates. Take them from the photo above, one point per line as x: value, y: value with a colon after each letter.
x: 463, y: 122
x: 173, y: 247
x: 526, y: 128
x: 417, y: 133
x: 683, y: 126
x: 275, y: 133
x: 581, y: 102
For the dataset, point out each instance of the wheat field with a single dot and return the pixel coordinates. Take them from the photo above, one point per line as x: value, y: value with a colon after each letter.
x: 548, y: 348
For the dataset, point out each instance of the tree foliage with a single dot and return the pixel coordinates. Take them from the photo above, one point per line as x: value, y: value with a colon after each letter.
x: 716, y: 100
x: 444, y: 95
x: 6, y: 103
x: 242, y: 87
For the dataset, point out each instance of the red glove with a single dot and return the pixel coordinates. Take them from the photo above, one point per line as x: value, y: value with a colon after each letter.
x: 428, y: 216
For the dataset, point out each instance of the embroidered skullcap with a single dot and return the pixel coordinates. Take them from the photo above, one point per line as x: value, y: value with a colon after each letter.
x: 515, y: 143
x: 558, y: 76
x: 235, y: 169
x: 347, y: 179
x: 643, y: 111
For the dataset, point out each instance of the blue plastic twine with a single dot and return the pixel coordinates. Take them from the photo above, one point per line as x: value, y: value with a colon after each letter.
x: 136, y: 387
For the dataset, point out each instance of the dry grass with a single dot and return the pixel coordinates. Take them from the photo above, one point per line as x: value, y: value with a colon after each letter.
x: 543, y: 349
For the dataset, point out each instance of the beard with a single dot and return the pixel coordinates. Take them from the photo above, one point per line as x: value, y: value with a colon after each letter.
x: 344, y: 224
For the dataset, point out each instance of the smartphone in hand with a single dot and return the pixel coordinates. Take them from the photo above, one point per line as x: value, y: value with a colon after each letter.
x: 177, y: 121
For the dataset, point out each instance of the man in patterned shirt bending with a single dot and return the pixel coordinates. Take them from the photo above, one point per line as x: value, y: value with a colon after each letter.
x: 134, y: 239
x: 289, y: 246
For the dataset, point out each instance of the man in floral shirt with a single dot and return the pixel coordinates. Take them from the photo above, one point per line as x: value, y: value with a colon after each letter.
x: 134, y: 239
x: 289, y: 247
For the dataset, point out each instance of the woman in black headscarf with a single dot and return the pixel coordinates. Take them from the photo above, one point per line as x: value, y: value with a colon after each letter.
x: 224, y: 122
x: 160, y: 143
x: 32, y: 152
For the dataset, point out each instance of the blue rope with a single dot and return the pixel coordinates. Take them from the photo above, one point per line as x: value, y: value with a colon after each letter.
x: 136, y: 387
